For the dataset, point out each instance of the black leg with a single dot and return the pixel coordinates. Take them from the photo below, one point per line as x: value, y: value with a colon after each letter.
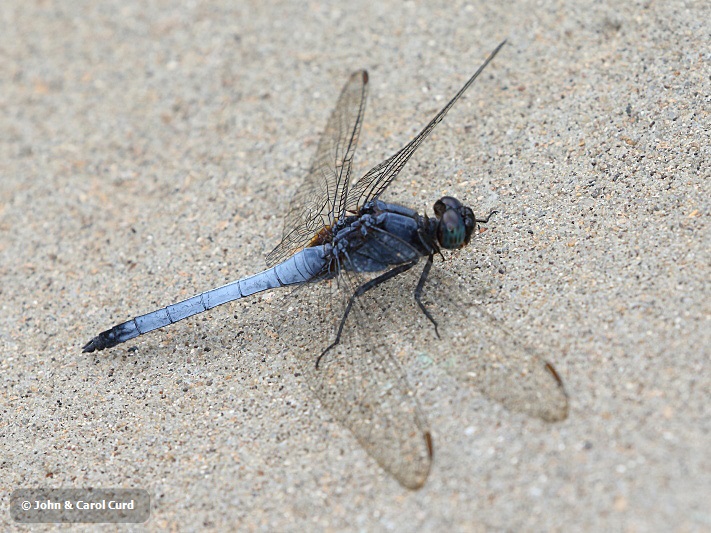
x: 359, y: 292
x: 485, y: 220
x: 418, y: 292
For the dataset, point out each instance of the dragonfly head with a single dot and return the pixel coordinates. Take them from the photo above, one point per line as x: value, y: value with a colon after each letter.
x: 455, y: 223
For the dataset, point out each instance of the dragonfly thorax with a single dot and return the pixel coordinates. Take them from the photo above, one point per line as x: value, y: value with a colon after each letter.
x: 455, y: 223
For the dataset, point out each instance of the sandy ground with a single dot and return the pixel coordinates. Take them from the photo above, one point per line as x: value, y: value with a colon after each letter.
x: 148, y: 151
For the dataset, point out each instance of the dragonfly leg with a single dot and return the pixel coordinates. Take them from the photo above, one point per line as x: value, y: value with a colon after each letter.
x: 359, y: 292
x: 418, y: 292
x: 485, y: 220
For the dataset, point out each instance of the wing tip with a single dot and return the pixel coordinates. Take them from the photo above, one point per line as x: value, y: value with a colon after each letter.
x: 562, y: 412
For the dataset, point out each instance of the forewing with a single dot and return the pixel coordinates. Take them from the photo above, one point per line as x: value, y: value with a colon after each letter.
x: 472, y: 346
x: 479, y: 350
x: 321, y: 197
x: 373, y: 183
x: 361, y: 383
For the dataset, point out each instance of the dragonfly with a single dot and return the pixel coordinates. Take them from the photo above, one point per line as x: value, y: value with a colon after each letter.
x: 348, y: 253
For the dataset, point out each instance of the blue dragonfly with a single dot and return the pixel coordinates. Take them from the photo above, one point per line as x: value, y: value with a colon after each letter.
x: 348, y: 252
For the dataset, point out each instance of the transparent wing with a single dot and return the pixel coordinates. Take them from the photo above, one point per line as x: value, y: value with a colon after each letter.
x: 478, y: 349
x: 372, y: 184
x: 360, y: 381
x: 363, y: 386
x: 473, y: 346
x: 321, y: 197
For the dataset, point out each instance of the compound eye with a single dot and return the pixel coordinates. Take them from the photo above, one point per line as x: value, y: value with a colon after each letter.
x: 469, y: 221
x: 444, y: 203
x: 451, y: 231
